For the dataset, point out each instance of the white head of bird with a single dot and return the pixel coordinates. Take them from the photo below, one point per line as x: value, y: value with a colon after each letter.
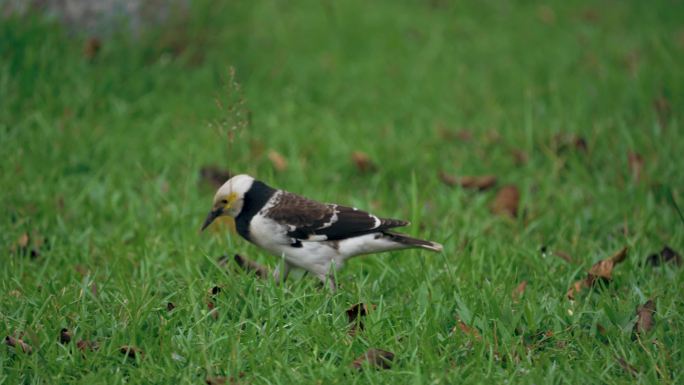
x: 229, y: 198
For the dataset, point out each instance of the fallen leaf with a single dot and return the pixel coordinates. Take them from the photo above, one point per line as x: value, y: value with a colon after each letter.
x: 376, y: 358
x: 477, y: 182
x: 81, y: 270
x: 577, y: 287
x: 666, y: 255
x: 601, y: 329
x: 563, y: 142
x: 18, y: 344
x: 64, y: 336
x: 506, y: 201
x: 663, y: 110
x: 84, y: 345
x: 28, y: 245
x: 604, y: 268
x: 563, y: 255
x: 249, y: 265
x: 215, y: 175
x: 221, y: 380
x: 277, y: 160
x: 590, y: 15
x: 447, y: 179
x: 636, y: 165
x: 520, y: 157
x: 467, y: 330
x: 91, y: 48
x: 93, y: 288
x: 546, y: 14
x: 452, y: 135
x: 170, y: 306
x: 354, y: 314
x: 23, y: 241
x: 358, y: 310
x: 600, y: 270
x: 627, y: 367
x: 216, y: 380
x: 363, y: 162
x: 519, y: 291
x: 212, y: 310
x: 645, y: 321
x: 132, y: 351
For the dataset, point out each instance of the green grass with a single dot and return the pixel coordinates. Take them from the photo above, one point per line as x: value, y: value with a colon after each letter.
x: 102, y: 158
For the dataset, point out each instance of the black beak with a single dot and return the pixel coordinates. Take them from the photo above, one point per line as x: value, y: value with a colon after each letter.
x: 210, y: 218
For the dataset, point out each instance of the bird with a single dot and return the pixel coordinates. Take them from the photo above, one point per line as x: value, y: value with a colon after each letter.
x: 314, y: 236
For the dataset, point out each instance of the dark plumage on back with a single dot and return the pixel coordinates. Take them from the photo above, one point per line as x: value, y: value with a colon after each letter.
x: 312, y: 220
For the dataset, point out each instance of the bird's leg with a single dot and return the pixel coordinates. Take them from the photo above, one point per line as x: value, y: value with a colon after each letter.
x: 329, y: 280
x: 286, y: 271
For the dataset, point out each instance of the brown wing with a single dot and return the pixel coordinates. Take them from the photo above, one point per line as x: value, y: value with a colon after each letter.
x: 311, y: 220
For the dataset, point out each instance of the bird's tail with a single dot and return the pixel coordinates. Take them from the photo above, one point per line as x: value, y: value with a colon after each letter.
x: 415, y: 242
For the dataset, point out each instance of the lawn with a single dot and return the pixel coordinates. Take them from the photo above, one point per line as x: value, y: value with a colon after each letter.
x: 578, y: 105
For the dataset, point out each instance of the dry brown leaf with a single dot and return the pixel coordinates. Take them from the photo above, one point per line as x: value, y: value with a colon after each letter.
x: 452, y: 135
x: 563, y: 255
x: 84, y: 345
x: 65, y: 336
x: 447, y: 179
x: 278, y: 161
x: 481, y: 183
x: 376, y: 358
x: 91, y: 48
x: 221, y: 380
x: 645, y: 321
x: 577, y: 287
x: 18, y: 344
x: 467, y: 330
x: 666, y: 255
x: 520, y: 157
x: 546, y: 14
x: 663, y: 110
x: 215, y: 175
x: 93, y: 288
x: 359, y: 310
x: 216, y: 380
x: 249, y: 265
x: 213, y: 313
x: 81, y: 270
x: 563, y: 142
x: 23, y: 241
x: 28, y: 245
x: 363, y: 162
x: 354, y: 314
x: 519, y: 291
x: 602, y: 269
x: 506, y: 201
x: 636, y: 165
x: 132, y: 351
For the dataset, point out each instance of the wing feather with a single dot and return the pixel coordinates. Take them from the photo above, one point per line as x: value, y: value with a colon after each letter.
x: 314, y: 221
